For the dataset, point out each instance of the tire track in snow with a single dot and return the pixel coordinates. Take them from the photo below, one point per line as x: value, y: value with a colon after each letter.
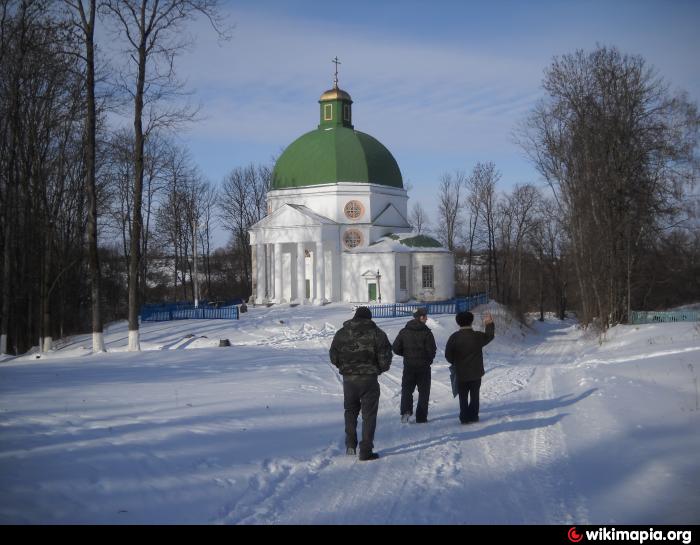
x: 560, y: 504
x: 545, y: 445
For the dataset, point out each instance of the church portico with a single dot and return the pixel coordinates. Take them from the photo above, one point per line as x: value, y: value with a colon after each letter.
x: 294, y: 271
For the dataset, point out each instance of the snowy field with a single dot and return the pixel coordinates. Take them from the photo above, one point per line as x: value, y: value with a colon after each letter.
x: 572, y: 431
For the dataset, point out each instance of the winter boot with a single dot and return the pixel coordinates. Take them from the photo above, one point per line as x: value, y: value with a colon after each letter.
x: 365, y: 457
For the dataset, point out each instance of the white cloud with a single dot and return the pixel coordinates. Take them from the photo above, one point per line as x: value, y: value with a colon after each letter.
x: 264, y: 84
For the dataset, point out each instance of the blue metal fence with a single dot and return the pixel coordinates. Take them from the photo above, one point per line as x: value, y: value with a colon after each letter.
x: 395, y: 310
x: 651, y: 317
x: 180, y: 311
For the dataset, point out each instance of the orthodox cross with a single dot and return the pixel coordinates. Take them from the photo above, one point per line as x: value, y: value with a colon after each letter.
x: 336, y: 62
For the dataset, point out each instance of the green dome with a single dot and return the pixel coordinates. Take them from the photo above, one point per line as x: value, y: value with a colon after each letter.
x: 337, y: 154
x: 335, y: 151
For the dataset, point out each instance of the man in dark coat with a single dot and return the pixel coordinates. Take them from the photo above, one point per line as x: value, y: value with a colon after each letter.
x: 463, y: 351
x: 416, y: 344
x: 361, y: 351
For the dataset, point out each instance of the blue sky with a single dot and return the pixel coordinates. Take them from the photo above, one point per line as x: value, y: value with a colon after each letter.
x: 441, y: 84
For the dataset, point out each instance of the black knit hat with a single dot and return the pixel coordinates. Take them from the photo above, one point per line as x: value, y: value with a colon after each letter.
x: 464, y: 318
x: 420, y: 311
x: 363, y: 312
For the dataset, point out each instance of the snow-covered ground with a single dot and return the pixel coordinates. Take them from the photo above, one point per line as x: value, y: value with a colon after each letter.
x: 572, y: 431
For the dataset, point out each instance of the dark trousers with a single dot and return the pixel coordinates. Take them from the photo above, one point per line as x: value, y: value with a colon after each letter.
x: 468, y: 400
x: 412, y: 377
x: 361, y: 393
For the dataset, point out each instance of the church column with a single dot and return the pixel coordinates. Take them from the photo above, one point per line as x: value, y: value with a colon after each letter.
x: 278, y: 272
x: 260, y: 267
x: 301, y: 273
x: 336, y: 272
x: 320, y: 274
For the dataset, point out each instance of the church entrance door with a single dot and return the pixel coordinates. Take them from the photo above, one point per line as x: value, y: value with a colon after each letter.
x: 372, y: 292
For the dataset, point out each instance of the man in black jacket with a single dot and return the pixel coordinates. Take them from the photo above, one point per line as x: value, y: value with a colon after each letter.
x: 463, y: 350
x: 416, y: 344
x: 361, y: 351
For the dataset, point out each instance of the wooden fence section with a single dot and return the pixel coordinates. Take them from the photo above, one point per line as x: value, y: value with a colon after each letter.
x: 444, y: 307
x: 652, y: 317
x: 181, y: 312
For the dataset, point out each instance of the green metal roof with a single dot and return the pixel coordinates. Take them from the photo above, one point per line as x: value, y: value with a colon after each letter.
x: 335, y: 152
x: 411, y: 240
x: 332, y: 155
x: 420, y: 241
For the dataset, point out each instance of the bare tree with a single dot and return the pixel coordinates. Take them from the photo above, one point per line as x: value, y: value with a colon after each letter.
x: 243, y: 203
x: 617, y: 149
x: 84, y: 20
x: 486, y: 177
x: 474, y: 183
x: 154, y: 36
x: 451, y: 195
x: 208, y: 201
x: 41, y: 169
x: 418, y: 219
x: 118, y: 176
x: 172, y: 211
x: 516, y: 220
x: 547, y: 241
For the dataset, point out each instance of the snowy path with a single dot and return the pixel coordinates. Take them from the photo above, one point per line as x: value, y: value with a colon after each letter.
x: 426, y: 471
x: 186, y: 432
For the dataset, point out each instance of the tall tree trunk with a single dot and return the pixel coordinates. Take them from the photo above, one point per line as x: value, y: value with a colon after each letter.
x: 541, y: 290
x: 7, y: 261
x: 45, y: 301
x: 6, y: 280
x: 135, y: 257
x: 88, y: 21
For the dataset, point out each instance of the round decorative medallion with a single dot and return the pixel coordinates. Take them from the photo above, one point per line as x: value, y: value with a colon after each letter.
x: 354, y: 209
x: 352, y: 238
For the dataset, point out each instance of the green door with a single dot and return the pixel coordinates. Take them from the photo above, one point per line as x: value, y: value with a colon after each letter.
x: 308, y: 288
x: 372, y: 292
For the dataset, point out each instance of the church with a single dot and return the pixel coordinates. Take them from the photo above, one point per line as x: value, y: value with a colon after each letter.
x: 336, y: 227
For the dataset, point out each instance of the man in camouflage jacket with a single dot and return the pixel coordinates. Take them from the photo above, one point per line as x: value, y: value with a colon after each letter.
x: 361, y: 352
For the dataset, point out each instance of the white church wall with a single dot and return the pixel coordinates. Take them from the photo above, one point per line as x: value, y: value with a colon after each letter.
x: 403, y: 260
x: 288, y: 272
x: 330, y: 200
x: 355, y: 285
x: 380, y: 200
x: 328, y: 276
x: 443, y: 279
x: 337, y: 277
x: 389, y: 280
x: 292, y: 233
